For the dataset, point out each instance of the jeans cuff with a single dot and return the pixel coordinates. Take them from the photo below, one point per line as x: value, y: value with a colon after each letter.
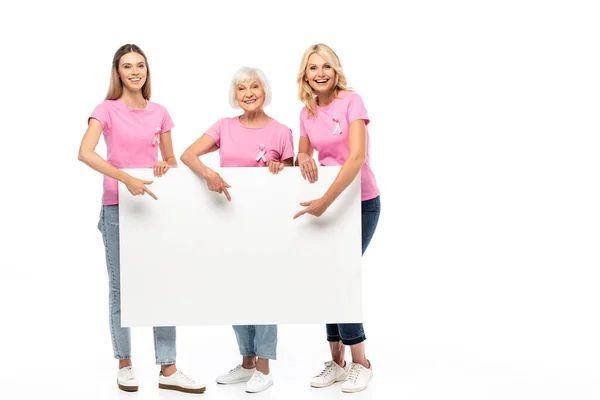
x: 267, y: 357
x: 333, y: 338
x: 350, y: 342
x: 165, y: 362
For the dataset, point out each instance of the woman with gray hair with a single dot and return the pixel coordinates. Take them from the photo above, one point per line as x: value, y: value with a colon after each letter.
x: 252, y: 139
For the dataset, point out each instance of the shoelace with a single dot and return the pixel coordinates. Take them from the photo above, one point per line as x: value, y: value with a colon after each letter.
x: 235, y: 369
x: 328, y: 368
x: 186, y: 378
x: 354, y: 372
x: 129, y: 374
x: 257, y: 377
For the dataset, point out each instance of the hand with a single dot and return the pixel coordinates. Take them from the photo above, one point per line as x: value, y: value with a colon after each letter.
x: 161, y: 168
x: 308, y: 167
x: 137, y: 186
x: 314, y: 207
x: 275, y: 166
x: 216, y: 184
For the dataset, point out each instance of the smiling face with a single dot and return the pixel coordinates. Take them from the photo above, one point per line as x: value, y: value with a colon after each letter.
x: 250, y: 95
x: 319, y: 74
x: 132, y: 71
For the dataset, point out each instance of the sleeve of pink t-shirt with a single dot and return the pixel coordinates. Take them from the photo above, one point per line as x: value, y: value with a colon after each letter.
x: 215, y: 132
x: 167, y: 122
x: 356, y: 109
x: 287, y: 145
x: 102, y: 115
x: 302, y: 129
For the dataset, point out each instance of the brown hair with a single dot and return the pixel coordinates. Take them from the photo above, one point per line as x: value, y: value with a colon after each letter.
x: 115, y: 90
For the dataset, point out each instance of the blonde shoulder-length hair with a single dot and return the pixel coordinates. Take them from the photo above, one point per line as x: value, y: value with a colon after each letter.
x: 115, y: 89
x: 306, y: 93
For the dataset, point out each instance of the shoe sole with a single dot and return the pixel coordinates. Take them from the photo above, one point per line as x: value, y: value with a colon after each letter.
x: 324, y: 385
x: 358, y: 389
x: 259, y: 391
x: 233, y: 382
x: 128, y: 388
x: 181, y: 389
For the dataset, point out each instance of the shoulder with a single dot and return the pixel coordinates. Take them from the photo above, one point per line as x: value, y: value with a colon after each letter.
x: 281, y: 128
x: 108, y: 105
x: 152, y: 106
x: 349, y: 96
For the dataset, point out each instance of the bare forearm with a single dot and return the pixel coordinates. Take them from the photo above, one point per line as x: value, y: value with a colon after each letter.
x: 194, y: 163
x: 345, y: 177
x: 172, y: 162
x: 94, y: 161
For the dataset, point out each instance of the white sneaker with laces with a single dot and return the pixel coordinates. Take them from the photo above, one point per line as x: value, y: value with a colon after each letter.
x: 180, y: 382
x: 259, y: 382
x: 126, y: 379
x: 331, y: 373
x: 237, y: 375
x: 358, y: 378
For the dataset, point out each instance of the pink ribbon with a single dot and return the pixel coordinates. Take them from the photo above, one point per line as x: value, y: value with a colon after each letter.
x: 262, y: 150
x: 156, y: 138
x: 337, y: 130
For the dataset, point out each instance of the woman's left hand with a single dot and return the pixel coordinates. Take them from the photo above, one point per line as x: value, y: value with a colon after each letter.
x: 275, y: 166
x: 161, y: 168
x: 314, y: 207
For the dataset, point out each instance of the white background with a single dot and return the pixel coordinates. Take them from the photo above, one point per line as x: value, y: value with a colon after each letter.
x: 481, y: 280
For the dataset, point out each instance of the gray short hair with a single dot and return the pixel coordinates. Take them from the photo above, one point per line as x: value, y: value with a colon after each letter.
x: 245, y: 74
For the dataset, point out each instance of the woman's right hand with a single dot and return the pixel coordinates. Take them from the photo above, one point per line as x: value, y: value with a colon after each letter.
x: 308, y: 167
x: 216, y: 184
x: 137, y: 186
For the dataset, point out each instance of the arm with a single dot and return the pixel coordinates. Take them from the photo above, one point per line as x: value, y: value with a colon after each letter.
x: 356, y: 157
x: 190, y: 157
x: 87, y: 154
x: 357, y: 146
x: 166, y: 151
x: 305, y: 160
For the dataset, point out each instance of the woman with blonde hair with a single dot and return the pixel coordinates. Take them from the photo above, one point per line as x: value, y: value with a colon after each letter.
x: 334, y: 122
x: 134, y: 130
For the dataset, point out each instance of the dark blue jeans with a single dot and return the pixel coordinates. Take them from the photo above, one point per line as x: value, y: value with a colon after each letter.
x: 351, y: 334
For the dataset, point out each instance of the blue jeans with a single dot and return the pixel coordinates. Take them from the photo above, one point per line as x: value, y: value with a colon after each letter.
x: 257, y: 340
x: 164, y: 337
x: 351, y: 334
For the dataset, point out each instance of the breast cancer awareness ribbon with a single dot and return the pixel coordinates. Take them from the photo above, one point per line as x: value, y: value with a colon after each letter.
x: 337, y: 130
x: 156, y: 138
x: 261, y: 154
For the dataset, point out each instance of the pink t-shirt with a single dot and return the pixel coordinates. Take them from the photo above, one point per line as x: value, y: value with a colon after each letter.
x: 323, y: 131
x: 129, y: 136
x: 240, y: 146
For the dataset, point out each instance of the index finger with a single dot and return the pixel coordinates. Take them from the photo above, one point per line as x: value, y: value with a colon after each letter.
x: 150, y: 193
x: 227, y: 194
x: 300, y: 213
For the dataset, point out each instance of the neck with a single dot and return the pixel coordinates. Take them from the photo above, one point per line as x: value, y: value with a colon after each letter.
x: 133, y: 99
x: 326, y: 98
x: 255, y: 118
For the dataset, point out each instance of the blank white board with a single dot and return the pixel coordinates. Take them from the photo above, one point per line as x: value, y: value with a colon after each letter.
x: 193, y: 258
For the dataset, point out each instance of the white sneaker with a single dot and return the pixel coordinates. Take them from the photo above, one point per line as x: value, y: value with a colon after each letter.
x: 126, y: 380
x: 358, y: 378
x: 259, y: 382
x: 180, y: 382
x: 237, y: 375
x: 331, y: 373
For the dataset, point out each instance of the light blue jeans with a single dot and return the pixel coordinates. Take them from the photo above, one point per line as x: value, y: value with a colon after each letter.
x: 257, y: 340
x: 164, y: 337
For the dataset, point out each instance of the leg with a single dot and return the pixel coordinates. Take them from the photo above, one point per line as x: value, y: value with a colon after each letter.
x: 265, y: 342
x: 165, y: 352
x: 245, y: 338
x: 121, y: 337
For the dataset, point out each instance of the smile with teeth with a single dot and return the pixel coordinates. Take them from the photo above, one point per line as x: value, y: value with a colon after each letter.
x: 135, y: 79
x: 321, y: 80
x: 249, y: 101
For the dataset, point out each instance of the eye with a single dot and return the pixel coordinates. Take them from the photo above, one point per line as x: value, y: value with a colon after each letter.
x: 327, y: 66
x: 240, y: 89
x: 255, y: 87
x: 126, y: 66
x: 312, y: 68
